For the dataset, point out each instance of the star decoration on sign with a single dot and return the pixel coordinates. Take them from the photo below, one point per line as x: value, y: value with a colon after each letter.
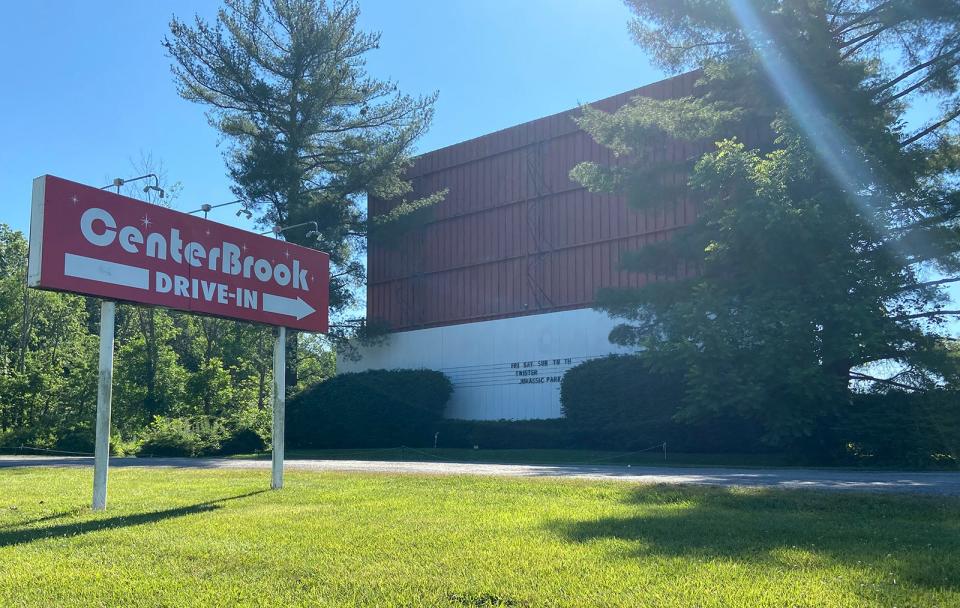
x: 146, y: 221
x: 244, y: 246
x: 75, y: 199
x: 208, y: 232
x: 287, y: 253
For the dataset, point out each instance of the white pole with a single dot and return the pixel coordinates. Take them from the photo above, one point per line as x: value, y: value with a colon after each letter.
x: 279, y: 405
x: 101, y: 458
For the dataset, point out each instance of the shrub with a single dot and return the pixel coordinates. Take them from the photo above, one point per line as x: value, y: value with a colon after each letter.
x: 77, y: 438
x: 619, y: 403
x: 169, y: 437
x: 242, y: 441
x: 376, y: 408
x: 914, y: 429
x: 616, y: 402
x: 249, y: 430
x: 121, y: 447
x: 181, y: 437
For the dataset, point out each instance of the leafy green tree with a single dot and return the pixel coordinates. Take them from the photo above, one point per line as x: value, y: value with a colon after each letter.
x: 318, y: 362
x: 13, y: 259
x: 149, y: 378
x: 47, y: 357
x: 211, y: 389
x: 819, y: 253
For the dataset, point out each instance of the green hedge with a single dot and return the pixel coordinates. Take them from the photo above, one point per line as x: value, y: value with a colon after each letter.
x: 371, y: 409
x: 615, y: 402
x: 915, y: 429
x: 619, y: 403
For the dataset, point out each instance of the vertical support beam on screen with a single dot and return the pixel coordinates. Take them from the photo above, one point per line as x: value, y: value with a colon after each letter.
x: 279, y: 405
x: 101, y: 451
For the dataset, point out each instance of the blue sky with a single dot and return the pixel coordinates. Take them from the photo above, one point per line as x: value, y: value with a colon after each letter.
x: 88, y: 86
x: 88, y: 91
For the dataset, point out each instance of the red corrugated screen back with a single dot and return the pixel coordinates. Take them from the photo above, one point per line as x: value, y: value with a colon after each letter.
x: 515, y: 235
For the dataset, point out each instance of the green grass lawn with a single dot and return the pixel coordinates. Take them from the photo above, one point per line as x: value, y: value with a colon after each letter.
x: 216, y: 538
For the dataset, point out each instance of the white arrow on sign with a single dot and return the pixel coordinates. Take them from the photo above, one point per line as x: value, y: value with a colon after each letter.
x: 92, y: 269
x: 292, y: 307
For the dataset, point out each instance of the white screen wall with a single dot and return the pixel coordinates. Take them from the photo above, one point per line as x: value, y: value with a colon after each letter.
x: 501, y: 369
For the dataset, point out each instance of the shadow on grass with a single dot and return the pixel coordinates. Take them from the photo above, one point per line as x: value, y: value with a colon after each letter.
x: 50, y: 517
x: 27, y: 534
x: 912, y: 539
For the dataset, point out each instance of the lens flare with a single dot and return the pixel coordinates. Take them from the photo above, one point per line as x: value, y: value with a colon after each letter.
x: 840, y: 155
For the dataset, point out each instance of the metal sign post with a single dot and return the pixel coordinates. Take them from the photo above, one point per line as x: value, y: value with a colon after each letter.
x: 279, y: 405
x: 101, y: 458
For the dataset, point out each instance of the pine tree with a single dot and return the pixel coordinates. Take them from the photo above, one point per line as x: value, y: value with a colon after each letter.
x: 817, y: 261
x: 311, y: 134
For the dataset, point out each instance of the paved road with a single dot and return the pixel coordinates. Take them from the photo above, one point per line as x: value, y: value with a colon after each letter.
x: 944, y: 483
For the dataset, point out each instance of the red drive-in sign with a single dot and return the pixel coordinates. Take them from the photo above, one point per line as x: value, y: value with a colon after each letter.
x: 92, y: 242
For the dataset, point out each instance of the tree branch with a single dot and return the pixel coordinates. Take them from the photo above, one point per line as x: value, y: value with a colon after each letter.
x: 939, y: 282
x: 932, y: 128
x: 912, y: 71
x: 863, y: 37
x: 929, y: 284
x: 859, y: 376
x: 863, y: 16
x: 914, y: 86
x: 928, y: 315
